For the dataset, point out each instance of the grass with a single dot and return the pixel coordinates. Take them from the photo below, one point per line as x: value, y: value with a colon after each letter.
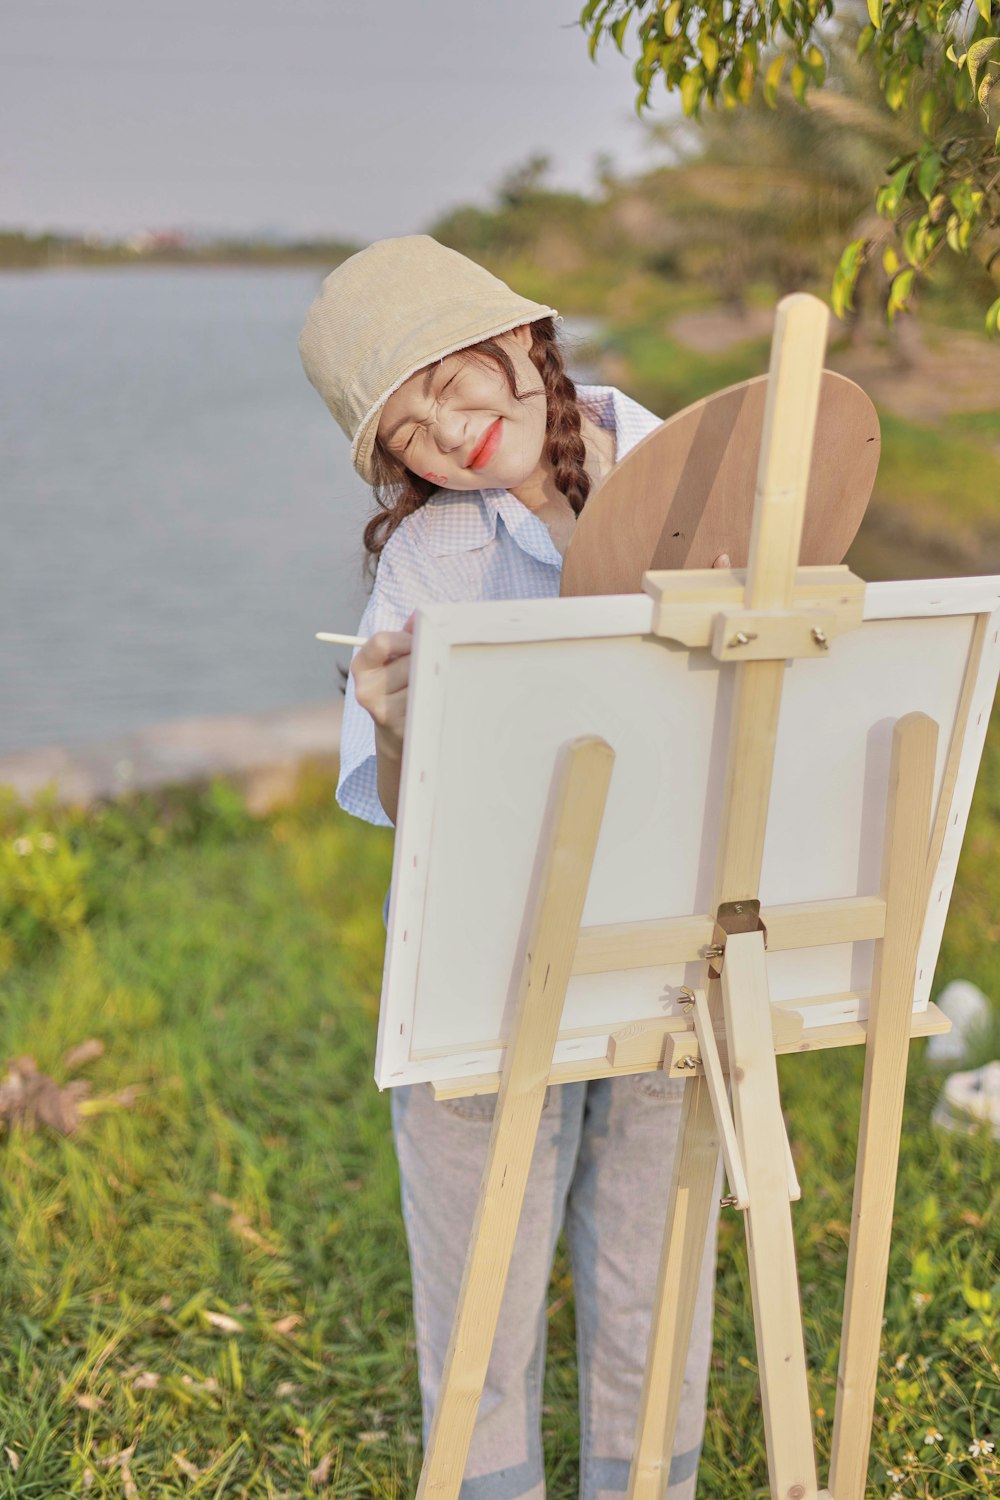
x: 205, y: 1292
x: 945, y: 479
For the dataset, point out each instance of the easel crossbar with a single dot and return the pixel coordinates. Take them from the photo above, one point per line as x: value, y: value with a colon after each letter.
x: 930, y: 1022
x: 681, y: 940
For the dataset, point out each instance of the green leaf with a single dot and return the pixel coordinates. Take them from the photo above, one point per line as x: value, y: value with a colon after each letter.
x: 983, y: 7
x: 985, y: 89
x: 890, y: 261
x: 618, y: 29
x: 865, y: 40
x: 978, y: 53
x: 815, y: 62
x: 924, y: 1272
x: 929, y: 175
x: 875, y: 12
x: 993, y: 317
x: 799, y: 81
x: 692, y: 88
x: 930, y: 1212
x: 845, y: 277
x: 772, y: 79
x: 709, y: 52
x: 964, y: 199
x: 900, y: 291
x: 928, y: 109
x: 979, y: 1301
x: 670, y: 16
x: 891, y: 196
x: 896, y: 87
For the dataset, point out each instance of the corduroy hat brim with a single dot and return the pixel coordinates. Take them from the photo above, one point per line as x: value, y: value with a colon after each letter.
x: 391, y: 310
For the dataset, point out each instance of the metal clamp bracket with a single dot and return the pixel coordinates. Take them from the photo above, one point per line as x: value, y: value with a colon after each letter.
x: 731, y: 918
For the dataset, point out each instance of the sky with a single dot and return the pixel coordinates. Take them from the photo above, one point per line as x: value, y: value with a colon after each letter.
x: 344, y: 118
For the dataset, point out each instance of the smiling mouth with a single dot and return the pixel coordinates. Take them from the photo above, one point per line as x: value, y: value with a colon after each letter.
x: 487, y: 446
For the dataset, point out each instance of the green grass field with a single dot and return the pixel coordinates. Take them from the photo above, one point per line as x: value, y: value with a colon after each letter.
x: 205, y: 1292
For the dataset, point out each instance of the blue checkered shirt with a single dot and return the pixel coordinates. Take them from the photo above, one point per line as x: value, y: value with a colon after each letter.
x: 460, y: 546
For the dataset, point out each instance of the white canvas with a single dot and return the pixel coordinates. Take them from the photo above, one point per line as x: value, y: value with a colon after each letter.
x: 498, y: 688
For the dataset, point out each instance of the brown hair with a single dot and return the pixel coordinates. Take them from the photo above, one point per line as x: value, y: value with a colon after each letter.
x: 398, y: 492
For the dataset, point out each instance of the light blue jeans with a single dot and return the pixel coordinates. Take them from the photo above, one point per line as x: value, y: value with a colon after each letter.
x: 601, y: 1168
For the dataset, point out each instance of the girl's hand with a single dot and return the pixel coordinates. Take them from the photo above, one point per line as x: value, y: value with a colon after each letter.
x: 381, y: 672
x: 722, y: 561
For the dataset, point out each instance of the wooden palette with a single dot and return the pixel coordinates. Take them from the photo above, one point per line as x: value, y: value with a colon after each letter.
x: 685, y: 493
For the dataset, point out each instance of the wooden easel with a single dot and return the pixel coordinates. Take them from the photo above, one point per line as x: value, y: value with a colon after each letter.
x: 728, y: 1036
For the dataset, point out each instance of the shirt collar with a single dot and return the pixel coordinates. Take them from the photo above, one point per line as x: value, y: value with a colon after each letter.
x: 465, y: 520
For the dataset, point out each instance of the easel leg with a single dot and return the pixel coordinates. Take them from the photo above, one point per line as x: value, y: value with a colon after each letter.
x: 774, y: 1285
x: 566, y: 853
x: 695, y: 1184
x: 907, y: 829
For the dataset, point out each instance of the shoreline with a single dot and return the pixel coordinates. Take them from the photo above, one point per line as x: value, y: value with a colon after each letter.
x: 261, y: 753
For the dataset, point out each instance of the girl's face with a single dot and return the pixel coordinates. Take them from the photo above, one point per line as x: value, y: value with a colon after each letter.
x: 458, y: 424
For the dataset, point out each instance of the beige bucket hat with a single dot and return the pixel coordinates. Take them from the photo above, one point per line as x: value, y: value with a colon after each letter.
x: 389, y: 311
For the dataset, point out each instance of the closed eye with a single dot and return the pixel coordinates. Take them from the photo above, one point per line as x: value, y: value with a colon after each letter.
x: 404, y: 447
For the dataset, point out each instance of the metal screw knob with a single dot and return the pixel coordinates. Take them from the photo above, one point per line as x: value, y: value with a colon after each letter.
x: 819, y: 636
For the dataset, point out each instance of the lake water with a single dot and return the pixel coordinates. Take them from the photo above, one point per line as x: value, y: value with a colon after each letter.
x: 178, y: 513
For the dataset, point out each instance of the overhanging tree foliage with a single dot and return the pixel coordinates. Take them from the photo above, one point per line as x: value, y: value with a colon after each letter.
x: 937, y: 60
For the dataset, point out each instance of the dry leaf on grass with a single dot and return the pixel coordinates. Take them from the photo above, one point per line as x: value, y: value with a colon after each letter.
x: 82, y: 1053
x: 89, y: 1403
x: 372, y: 1437
x: 29, y: 1098
x: 287, y: 1324
x: 285, y: 1388
x: 187, y: 1467
x: 13, y: 1459
x: 129, y: 1488
x: 321, y: 1473
x: 120, y: 1459
x: 209, y: 1384
x: 223, y: 1322
x: 240, y: 1224
x: 147, y: 1381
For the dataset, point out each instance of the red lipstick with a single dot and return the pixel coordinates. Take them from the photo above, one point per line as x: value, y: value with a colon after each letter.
x: 487, y: 445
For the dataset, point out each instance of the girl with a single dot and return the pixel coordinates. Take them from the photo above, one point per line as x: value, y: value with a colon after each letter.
x: 482, y: 453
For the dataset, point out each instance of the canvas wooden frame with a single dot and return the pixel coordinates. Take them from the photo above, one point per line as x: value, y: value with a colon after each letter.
x: 447, y: 633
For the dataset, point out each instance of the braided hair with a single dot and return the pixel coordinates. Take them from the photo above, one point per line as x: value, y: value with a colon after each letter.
x: 398, y: 492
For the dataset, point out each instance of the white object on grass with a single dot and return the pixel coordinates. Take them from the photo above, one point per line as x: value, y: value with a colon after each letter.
x: 968, y: 1010
x: 970, y: 1100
